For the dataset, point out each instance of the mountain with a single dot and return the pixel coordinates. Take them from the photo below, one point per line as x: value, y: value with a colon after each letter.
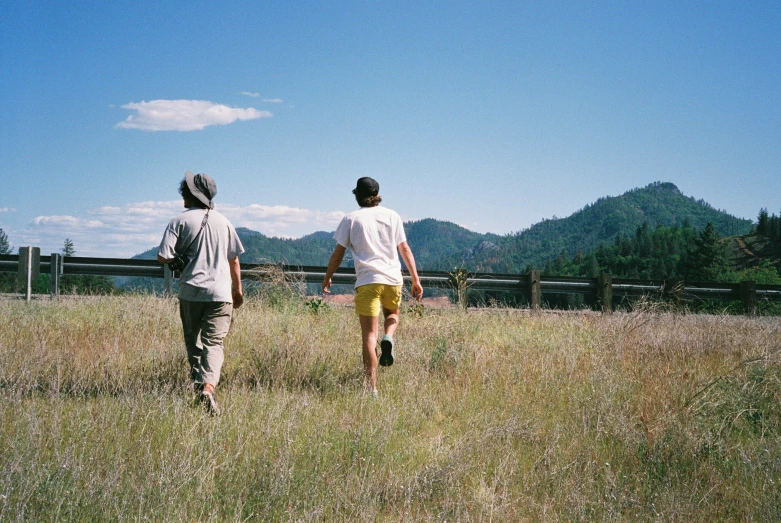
x: 439, y: 245
x: 658, y: 204
x: 312, y: 249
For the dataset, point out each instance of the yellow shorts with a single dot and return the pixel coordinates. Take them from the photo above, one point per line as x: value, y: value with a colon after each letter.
x: 369, y: 299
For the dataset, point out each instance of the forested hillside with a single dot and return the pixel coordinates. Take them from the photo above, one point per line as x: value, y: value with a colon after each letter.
x: 313, y: 249
x: 658, y: 204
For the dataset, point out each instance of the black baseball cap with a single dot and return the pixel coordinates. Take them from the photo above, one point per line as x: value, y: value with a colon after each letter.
x: 366, y: 187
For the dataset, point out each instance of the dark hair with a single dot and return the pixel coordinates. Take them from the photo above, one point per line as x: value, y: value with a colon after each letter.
x: 188, y: 197
x: 368, y: 201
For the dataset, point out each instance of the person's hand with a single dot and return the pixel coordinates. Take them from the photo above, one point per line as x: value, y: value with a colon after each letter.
x: 417, y: 290
x: 326, y: 285
x: 238, y: 298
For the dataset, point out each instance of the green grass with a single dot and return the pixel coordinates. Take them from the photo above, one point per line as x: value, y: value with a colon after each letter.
x: 489, y: 415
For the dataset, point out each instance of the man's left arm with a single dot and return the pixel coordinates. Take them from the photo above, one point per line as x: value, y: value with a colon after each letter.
x: 236, y: 290
x: 409, y: 261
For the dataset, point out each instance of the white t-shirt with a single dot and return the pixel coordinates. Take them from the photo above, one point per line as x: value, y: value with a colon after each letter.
x: 207, y: 276
x: 373, y: 235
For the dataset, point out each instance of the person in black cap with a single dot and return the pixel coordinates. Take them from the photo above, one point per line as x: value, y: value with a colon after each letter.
x: 209, y: 283
x: 375, y: 236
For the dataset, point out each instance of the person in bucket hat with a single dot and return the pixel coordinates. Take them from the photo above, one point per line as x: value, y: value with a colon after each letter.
x: 210, y: 280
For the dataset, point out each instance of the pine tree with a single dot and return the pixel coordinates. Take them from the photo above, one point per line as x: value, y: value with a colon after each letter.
x: 762, y: 225
x: 644, y: 242
x: 774, y: 228
x: 7, y: 280
x: 708, y: 261
x: 68, y: 250
x: 5, y: 247
x: 591, y: 266
x: 778, y: 230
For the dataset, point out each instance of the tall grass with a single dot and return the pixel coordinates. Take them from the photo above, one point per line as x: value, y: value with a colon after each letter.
x: 490, y: 415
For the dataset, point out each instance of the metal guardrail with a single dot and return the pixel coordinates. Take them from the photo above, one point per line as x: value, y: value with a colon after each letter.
x: 533, y: 285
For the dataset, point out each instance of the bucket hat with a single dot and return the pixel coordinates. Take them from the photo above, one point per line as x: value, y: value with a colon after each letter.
x: 202, y: 186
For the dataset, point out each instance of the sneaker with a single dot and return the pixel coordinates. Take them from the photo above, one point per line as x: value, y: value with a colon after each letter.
x: 386, y: 358
x: 209, y: 399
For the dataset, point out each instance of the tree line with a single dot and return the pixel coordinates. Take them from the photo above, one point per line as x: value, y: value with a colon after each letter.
x: 672, y: 252
x: 769, y: 226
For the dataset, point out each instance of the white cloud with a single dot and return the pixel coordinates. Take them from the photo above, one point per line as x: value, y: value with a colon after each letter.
x: 264, y: 100
x: 124, y: 231
x: 280, y: 220
x: 7, y: 209
x: 184, y: 115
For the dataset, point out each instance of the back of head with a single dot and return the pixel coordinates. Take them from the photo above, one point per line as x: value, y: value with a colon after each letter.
x: 367, y: 192
x: 198, y: 189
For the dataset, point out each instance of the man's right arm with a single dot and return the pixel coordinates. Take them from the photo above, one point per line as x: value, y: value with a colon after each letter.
x: 333, y: 264
x: 168, y: 244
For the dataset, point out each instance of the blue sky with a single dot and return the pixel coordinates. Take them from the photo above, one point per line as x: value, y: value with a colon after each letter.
x: 491, y: 115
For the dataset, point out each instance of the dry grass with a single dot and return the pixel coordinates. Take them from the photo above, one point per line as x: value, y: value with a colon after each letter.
x: 489, y: 415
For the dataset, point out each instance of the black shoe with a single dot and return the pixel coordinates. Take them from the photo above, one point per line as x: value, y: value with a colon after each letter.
x: 209, y: 399
x: 386, y: 358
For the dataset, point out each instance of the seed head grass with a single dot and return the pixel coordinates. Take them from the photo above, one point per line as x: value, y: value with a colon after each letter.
x: 486, y: 415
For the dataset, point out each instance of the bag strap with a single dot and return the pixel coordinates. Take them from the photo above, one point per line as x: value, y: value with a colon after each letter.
x: 203, y: 224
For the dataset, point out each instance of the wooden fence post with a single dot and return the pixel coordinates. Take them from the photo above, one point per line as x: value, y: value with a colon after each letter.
x: 748, y: 294
x: 605, y: 292
x: 29, y: 268
x: 534, y: 290
x: 55, y: 269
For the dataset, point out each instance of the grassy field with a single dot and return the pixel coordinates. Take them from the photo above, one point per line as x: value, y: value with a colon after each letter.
x: 489, y: 415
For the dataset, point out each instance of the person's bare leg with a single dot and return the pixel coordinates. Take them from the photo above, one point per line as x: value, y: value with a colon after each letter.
x: 391, y: 321
x: 369, y: 330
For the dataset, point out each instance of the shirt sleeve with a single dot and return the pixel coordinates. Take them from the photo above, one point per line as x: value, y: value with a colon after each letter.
x: 235, y: 247
x: 398, y: 227
x: 167, y: 247
x: 342, y: 234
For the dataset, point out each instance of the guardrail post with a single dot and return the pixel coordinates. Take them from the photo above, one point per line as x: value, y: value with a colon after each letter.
x: 534, y: 290
x: 29, y: 268
x: 605, y: 292
x: 748, y: 294
x: 55, y: 271
x: 168, y: 278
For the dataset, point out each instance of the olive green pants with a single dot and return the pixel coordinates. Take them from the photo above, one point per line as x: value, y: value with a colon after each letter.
x: 205, y: 325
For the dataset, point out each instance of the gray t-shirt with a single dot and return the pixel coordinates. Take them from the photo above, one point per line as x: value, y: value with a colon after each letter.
x: 207, y: 276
